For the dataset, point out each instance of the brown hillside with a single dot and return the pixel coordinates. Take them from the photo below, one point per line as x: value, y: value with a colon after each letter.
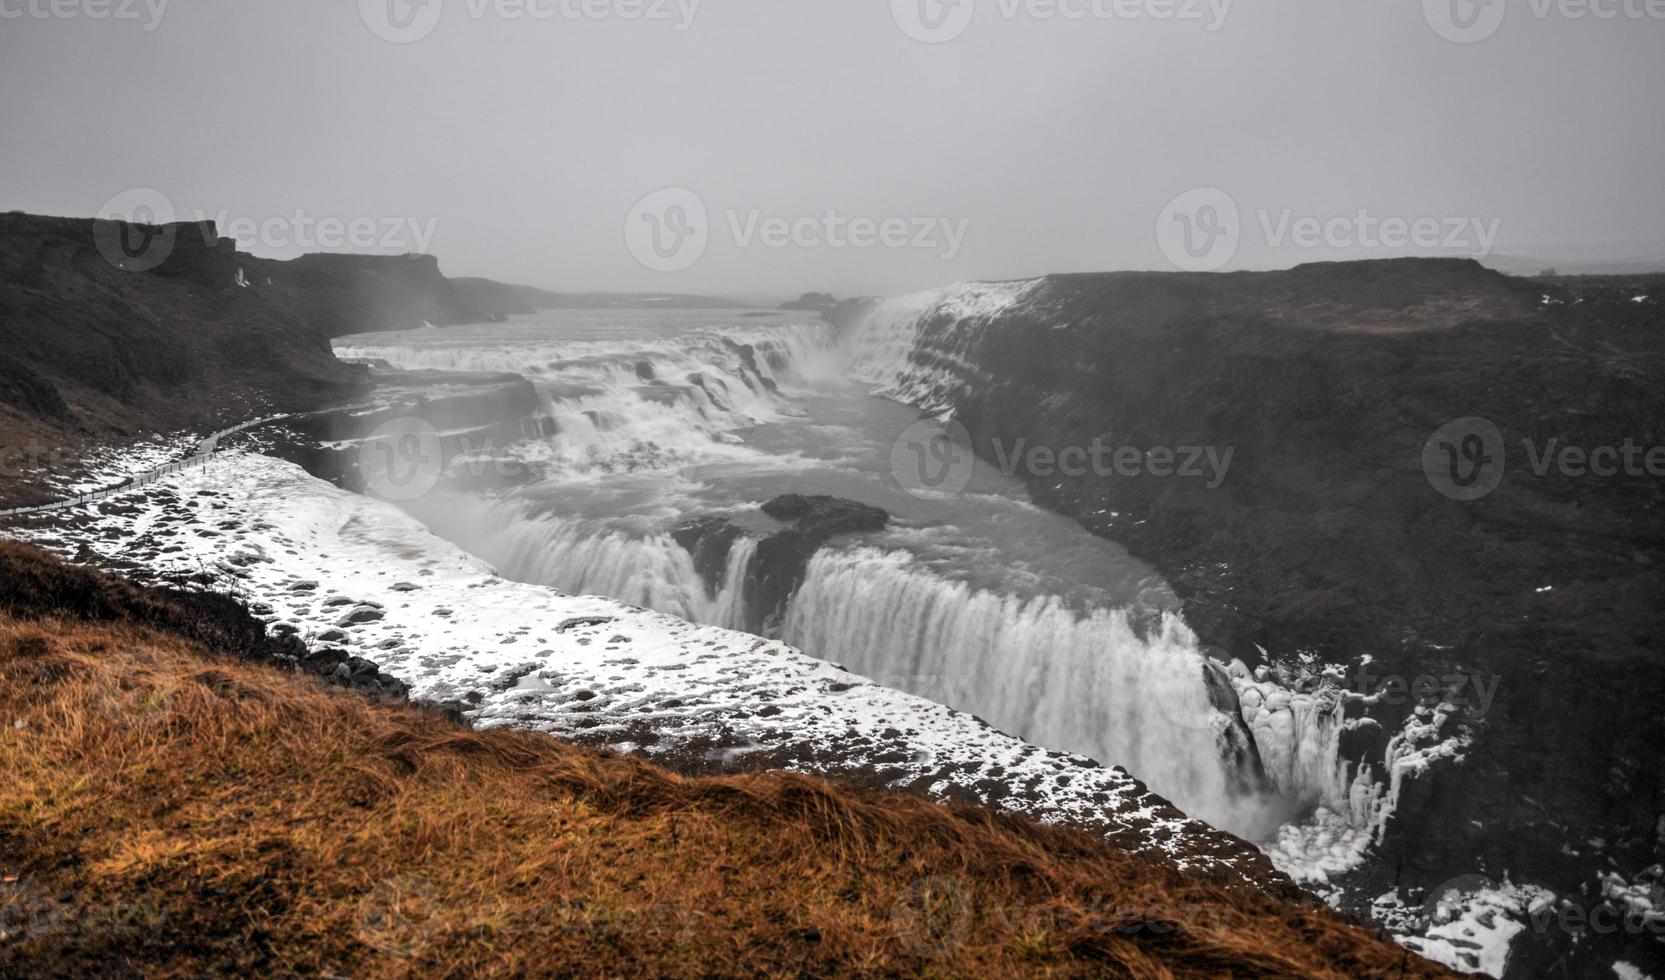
x: 172, y: 812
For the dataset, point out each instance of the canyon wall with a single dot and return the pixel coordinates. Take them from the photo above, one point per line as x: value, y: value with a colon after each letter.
x: 192, y: 335
x: 1536, y: 607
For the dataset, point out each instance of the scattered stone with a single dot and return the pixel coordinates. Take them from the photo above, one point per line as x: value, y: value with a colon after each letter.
x: 579, y: 621
x: 362, y: 614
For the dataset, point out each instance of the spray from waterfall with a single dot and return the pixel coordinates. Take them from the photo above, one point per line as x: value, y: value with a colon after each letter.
x: 583, y: 557
x: 1237, y: 750
x: 1088, y: 683
x: 646, y: 403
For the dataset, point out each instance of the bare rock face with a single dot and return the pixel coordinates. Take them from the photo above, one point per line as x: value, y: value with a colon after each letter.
x: 106, y: 350
x: 709, y: 540
x: 778, y: 567
x: 826, y: 515
x: 110, y: 328
x: 783, y: 558
x: 1327, y: 537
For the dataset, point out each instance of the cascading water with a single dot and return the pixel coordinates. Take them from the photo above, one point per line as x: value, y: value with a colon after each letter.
x: 583, y: 557
x: 1092, y: 684
x: 883, y: 341
x: 654, y: 424
x: 649, y: 403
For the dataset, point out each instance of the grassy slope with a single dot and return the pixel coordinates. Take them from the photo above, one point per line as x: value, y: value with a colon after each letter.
x: 170, y: 810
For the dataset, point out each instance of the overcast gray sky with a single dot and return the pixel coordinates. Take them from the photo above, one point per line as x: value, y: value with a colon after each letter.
x: 523, y: 143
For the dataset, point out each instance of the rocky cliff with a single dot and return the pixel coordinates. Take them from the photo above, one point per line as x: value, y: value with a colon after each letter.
x: 1327, y: 539
x: 112, y: 331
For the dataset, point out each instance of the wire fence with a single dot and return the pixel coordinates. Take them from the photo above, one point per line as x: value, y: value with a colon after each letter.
x: 206, y: 449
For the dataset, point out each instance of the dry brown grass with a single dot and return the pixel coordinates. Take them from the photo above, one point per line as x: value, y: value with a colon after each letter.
x: 168, y: 813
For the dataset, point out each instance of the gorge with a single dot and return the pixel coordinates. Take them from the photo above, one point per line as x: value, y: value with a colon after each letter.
x: 1214, y: 638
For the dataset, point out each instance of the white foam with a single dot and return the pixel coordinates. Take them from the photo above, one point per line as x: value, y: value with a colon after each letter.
x: 1090, y: 684
x: 883, y: 341
x: 605, y: 671
x: 1471, y: 931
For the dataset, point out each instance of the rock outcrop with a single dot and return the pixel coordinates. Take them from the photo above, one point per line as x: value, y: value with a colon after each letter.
x: 1327, y: 538
x: 778, y: 566
x: 111, y: 331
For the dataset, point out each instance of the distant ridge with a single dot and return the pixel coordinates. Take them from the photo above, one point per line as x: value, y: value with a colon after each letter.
x: 488, y: 294
x: 1582, y: 260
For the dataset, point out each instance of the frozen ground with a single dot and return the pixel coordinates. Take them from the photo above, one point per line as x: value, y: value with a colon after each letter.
x: 355, y: 573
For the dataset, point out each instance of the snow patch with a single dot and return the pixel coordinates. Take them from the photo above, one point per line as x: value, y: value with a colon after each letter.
x: 603, y: 672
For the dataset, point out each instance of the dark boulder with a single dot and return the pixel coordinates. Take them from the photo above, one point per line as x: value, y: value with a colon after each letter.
x: 778, y: 567
x: 826, y: 515
x: 362, y: 614
x: 709, y: 540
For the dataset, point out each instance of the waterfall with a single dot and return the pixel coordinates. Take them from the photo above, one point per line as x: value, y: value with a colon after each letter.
x: 787, y: 353
x: 1239, y: 750
x: 1019, y: 664
x: 1092, y: 684
x: 728, y: 607
x: 884, y: 341
x: 644, y: 568
x: 647, y: 403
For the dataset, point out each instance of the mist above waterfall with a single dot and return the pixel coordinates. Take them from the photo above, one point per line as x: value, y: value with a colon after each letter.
x: 979, y: 601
